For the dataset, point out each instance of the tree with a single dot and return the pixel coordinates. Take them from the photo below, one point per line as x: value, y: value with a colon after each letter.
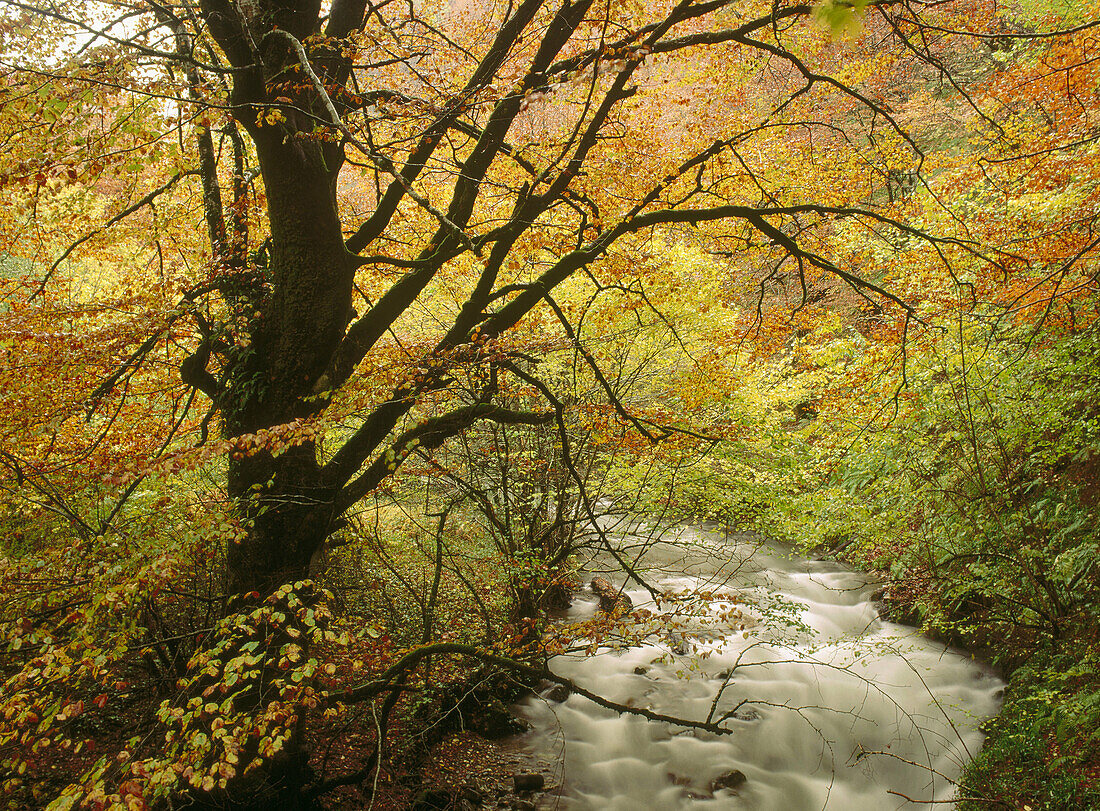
x: 355, y: 231
x: 403, y: 149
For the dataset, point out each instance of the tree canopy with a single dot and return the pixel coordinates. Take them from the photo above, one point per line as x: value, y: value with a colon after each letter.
x: 491, y: 269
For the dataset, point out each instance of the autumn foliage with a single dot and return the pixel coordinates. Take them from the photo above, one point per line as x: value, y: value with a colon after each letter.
x: 332, y: 336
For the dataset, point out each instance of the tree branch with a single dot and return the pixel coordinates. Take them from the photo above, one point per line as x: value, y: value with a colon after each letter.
x: 409, y: 661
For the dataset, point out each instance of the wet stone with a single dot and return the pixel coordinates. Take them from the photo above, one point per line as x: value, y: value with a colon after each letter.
x: 528, y: 781
x: 612, y: 600
x: 730, y: 781
x: 472, y: 794
x: 437, y: 799
x: 558, y: 693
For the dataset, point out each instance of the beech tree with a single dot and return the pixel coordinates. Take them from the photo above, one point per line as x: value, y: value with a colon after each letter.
x: 355, y: 232
x: 402, y: 146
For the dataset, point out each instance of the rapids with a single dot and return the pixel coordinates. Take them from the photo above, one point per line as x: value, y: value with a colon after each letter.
x: 829, y: 706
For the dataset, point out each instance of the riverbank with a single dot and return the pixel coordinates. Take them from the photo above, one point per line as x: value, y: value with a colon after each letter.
x: 1042, y: 749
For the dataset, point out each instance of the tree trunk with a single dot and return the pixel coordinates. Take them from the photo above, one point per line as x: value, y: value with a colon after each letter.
x: 296, y: 328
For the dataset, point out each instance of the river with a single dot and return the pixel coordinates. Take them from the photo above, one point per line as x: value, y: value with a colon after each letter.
x: 829, y: 706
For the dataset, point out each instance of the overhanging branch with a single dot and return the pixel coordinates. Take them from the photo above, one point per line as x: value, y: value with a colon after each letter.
x: 412, y: 659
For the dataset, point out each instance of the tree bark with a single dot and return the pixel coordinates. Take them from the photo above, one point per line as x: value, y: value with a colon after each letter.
x: 295, y: 331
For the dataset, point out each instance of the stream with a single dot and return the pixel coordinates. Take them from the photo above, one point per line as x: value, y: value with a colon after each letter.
x: 829, y: 706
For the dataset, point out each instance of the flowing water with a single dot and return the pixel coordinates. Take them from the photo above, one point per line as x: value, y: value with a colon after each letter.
x: 829, y: 706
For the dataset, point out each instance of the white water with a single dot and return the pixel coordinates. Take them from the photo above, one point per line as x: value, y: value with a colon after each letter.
x: 836, y: 715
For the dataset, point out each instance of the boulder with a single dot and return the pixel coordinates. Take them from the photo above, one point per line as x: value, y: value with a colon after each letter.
x: 678, y: 644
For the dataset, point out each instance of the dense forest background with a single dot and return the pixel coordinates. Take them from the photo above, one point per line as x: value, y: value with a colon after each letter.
x: 334, y: 333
